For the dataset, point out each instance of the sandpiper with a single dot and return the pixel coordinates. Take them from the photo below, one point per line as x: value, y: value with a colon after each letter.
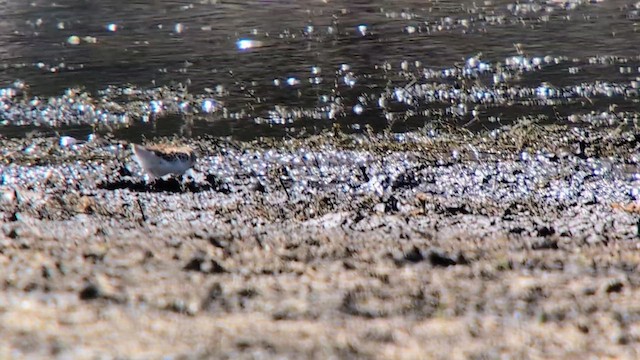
x: 160, y: 160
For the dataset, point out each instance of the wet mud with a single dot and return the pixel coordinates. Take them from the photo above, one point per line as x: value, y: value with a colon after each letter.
x: 521, y: 242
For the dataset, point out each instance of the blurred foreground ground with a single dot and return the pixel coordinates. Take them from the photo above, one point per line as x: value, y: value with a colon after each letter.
x: 514, y: 244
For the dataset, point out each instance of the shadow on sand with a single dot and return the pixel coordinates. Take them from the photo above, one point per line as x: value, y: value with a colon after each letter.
x: 169, y: 185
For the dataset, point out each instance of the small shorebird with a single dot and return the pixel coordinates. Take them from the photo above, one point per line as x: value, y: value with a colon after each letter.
x: 160, y: 160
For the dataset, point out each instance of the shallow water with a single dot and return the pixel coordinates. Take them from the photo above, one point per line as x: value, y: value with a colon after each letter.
x: 311, y: 64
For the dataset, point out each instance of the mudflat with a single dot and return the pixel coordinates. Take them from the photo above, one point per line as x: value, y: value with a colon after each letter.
x: 519, y: 242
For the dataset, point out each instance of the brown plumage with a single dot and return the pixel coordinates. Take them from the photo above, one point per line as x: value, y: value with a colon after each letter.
x: 160, y: 160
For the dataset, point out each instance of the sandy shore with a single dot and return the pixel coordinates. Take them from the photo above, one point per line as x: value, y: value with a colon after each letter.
x: 518, y: 243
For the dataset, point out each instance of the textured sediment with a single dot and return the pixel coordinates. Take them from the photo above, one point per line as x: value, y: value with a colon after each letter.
x: 521, y: 241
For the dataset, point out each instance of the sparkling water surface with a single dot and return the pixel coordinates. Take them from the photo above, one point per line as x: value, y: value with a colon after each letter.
x: 257, y: 68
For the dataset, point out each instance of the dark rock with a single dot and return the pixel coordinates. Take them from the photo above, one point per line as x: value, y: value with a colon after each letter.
x: 546, y: 231
x: 219, y: 241
x: 457, y: 210
x: 214, y: 300
x: 259, y: 187
x: 124, y: 171
x: 437, y: 258
x: 614, y: 287
x: 204, y: 265
x: 391, y: 205
x: 248, y: 293
x: 90, y: 292
x: 406, y: 181
x: 414, y: 255
x: 13, y: 234
x: 348, y: 265
x: 517, y: 230
x: 545, y: 244
x: 14, y: 217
